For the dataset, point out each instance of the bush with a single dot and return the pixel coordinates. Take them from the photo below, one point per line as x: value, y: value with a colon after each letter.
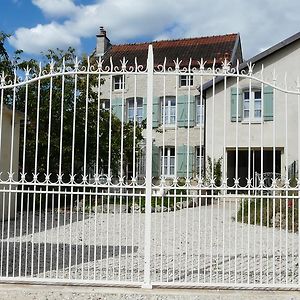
x: 217, y: 168
x: 278, y: 212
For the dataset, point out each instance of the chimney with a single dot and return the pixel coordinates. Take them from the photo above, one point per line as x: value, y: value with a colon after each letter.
x: 103, y: 43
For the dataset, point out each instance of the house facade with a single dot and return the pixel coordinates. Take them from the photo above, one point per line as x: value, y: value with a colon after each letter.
x: 9, y: 159
x: 257, y: 130
x: 178, y: 109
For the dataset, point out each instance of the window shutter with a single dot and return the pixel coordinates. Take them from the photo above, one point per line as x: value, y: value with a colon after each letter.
x: 155, y: 161
x: 268, y: 103
x: 181, y: 160
x: 144, y: 108
x: 191, y: 160
x: 234, y: 98
x: 182, y: 111
x: 117, y: 107
x: 192, y: 111
x: 156, y: 112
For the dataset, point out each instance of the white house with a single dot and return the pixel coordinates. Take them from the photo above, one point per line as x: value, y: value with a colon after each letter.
x: 255, y: 120
x: 175, y: 97
x: 9, y: 160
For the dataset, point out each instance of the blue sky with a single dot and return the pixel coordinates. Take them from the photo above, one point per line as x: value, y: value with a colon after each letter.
x: 38, y: 25
x: 15, y: 14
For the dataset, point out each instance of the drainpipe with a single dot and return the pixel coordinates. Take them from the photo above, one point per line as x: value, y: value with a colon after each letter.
x: 204, y: 135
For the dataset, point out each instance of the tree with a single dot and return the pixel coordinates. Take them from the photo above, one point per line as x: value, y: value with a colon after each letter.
x: 5, y: 63
x: 214, y: 167
x: 51, y: 153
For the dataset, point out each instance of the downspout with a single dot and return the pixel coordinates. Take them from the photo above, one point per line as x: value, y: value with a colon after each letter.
x: 204, y: 129
x: 204, y: 135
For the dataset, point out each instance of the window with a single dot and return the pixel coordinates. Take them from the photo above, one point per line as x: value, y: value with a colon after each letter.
x: 199, y: 111
x: 105, y: 104
x: 252, y: 105
x: 186, y: 80
x: 247, y: 104
x: 198, y: 157
x: 141, y: 162
x: 131, y: 108
x: 168, y: 110
x: 118, y: 82
x: 167, y: 161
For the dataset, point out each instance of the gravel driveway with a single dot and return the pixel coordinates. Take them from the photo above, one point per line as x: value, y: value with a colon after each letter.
x: 202, y: 244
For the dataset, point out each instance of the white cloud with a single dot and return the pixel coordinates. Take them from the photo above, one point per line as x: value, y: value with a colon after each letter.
x: 56, y: 8
x: 260, y: 23
x: 42, y: 38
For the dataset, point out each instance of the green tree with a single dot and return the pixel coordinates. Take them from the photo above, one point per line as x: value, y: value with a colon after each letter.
x: 5, y: 63
x: 51, y: 91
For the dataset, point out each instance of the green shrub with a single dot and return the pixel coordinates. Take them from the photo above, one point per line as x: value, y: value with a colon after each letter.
x: 168, y: 200
x: 217, y: 169
x: 278, y: 212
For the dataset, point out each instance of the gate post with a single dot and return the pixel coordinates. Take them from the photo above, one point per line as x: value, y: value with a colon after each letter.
x: 147, y: 241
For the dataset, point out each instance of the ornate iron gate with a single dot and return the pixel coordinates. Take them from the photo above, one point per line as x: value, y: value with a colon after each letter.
x: 150, y: 175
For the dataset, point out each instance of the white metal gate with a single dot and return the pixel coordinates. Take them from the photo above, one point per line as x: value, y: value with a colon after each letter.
x: 150, y: 175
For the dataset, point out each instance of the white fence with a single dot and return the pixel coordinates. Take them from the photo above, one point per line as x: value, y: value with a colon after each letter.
x: 91, y: 194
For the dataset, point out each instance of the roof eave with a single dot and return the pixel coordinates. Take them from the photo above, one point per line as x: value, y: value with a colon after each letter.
x: 259, y: 57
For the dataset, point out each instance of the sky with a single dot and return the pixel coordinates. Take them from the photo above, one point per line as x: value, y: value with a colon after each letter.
x: 39, y: 25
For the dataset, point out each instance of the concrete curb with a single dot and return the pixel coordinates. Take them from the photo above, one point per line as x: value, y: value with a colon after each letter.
x: 49, y: 292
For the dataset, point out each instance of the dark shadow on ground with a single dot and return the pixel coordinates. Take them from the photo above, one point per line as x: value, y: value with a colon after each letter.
x: 37, y: 259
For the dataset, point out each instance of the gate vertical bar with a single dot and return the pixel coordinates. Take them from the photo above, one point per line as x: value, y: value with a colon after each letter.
x: 147, y: 244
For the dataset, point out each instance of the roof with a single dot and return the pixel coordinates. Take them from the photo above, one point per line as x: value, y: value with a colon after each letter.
x: 208, y: 48
x: 260, y: 56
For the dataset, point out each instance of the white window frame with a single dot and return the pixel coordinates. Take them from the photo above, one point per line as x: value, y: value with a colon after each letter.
x: 139, y: 109
x: 105, y: 104
x: 168, y: 110
x: 197, y: 159
x: 141, y: 162
x: 167, y: 161
x: 251, y: 106
x: 186, y: 80
x: 199, y: 111
x: 118, y: 82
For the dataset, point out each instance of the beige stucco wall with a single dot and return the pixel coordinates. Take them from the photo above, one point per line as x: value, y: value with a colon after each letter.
x: 286, y: 62
x: 8, y: 200
x: 161, y: 83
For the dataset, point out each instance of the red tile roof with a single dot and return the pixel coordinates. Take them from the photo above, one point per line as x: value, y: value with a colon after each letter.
x: 208, y: 48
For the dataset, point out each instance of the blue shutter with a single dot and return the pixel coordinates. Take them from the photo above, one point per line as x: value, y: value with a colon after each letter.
x: 181, y: 161
x: 155, y: 161
x: 235, y: 96
x: 156, y: 112
x: 182, y: 102
x: 182, y: 156
x: 191, y: 161
x: 144, y: 108
x: 117, y: 107
x: 192, y: 111
x: 268, y: 103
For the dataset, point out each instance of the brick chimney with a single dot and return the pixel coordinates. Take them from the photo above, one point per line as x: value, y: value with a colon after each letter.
x: 103, y: 43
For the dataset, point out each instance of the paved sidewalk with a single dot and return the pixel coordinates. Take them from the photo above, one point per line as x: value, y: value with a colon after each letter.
x: 51, y: 292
